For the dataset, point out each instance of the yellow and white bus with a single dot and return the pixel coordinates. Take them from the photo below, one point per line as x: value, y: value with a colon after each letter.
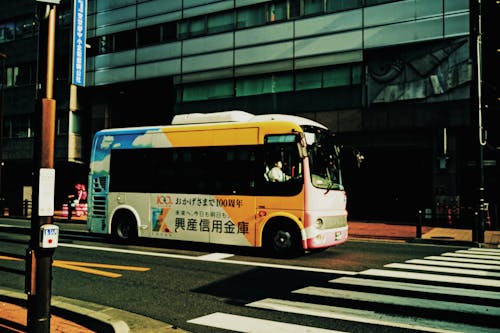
x: 210, y: 178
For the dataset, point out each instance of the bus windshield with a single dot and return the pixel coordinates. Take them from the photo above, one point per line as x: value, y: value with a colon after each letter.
x: 324, y: 159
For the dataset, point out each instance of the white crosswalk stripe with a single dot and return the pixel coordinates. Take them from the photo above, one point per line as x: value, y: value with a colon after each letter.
x: 398, y: 300
x: 453, y: 292
x: 254, y: 325
x: 474, y: 272
x: 367, y: 317
x: 429, y: 289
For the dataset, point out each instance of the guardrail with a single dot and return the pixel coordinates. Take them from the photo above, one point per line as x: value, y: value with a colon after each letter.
x: 463, y: 218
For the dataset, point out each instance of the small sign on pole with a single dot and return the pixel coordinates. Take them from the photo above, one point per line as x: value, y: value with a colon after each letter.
x: 79, y: 41
x: 46, y: 190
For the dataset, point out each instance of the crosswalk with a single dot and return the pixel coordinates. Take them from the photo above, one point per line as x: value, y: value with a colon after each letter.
x: 453, y: 292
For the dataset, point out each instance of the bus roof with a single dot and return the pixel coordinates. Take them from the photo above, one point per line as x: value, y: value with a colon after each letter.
x: 238, y: 116
x: 216, y: 118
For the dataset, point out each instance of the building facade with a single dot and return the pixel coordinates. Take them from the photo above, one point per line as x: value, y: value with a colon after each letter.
x: 392, y: 78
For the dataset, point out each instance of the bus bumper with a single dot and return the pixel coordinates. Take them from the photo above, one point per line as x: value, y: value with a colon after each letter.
x: 326, y: 238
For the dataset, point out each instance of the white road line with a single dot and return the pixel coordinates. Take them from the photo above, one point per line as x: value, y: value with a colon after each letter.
x: 215, y: 256
x: 367, y: 317
x: 431, y: 289
x: 457, y: 259
x: 469, y: 255
x: 482, y: 249
x: 222, y: 261
x: 479, y: 251
x: 254, y: 325
x: 432, y: 277
x: 444, y: 270
x: 453, y: 264
x: 400, y: 300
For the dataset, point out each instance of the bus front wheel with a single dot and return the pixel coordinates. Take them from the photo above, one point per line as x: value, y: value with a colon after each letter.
x: 124, y: 227
x: 283, y: 239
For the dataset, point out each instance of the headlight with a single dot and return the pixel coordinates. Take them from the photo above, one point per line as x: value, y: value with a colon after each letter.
x: 319, y: 224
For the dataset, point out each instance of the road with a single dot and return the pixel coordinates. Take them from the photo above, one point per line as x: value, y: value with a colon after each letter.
x: 361, y: 286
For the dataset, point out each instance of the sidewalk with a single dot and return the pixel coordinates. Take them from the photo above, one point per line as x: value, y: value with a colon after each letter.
x: 74, y: 316
x: 408, y: 233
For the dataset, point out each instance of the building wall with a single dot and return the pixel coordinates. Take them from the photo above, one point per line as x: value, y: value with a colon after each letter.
x: 389, y: 77
x: 18, y: 41
x: 388, y: 84
x: 291, y: 44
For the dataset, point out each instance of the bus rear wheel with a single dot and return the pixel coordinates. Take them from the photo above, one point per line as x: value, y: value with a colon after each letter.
x: 283, y: 240
x: 124, y: 227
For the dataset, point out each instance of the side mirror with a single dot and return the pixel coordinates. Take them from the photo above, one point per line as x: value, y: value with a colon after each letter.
x: 351, y: 156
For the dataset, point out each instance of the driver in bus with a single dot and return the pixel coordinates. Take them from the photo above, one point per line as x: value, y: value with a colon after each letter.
x: 276, y: 174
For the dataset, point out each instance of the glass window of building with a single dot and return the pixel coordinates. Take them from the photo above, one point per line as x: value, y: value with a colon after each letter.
x: 251, y: 16
x: 294, y: 8
x: 220, y: 22
x: 6, y: 32
x: 356, y: 74
x: 25, y: 28
x: 169, y: 32
x: 313, y: 7
x: 12, y: 73
x: 337, y: 76
x: 149, y: 35
x: 183, y: 30
x: 24, y: 75
x: 206, y: 91
x: 124, y: 40
x: 273, y: 83
x: 376, y: 2
x: 277, y: 11
x: 308, y: 80
x: 21, y: 127
x: 197, y: 27
x: 105, y: 44
x: 62, y: 124
x: 65, y: 17
x: 338, y: 5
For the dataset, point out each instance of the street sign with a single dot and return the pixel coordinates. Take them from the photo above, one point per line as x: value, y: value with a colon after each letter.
x: 79, y: 41
x: 46, y: 192
x: 49, y: 236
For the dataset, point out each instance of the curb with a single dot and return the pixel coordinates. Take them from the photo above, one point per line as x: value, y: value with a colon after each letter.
x: 449, y: 242
x: 414, y: 240
x: 96, y: 317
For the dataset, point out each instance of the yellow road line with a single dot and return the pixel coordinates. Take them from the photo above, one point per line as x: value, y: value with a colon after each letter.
x: 85, y: 267
x: 87, y: 270
x: 10, y: 258
x: 89, y: 264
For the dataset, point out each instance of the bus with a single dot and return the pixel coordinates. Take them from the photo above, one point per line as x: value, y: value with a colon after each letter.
x: 207, y: 178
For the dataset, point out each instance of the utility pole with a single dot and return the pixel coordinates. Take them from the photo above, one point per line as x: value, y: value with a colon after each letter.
x: 477, y: 113
x: 44, y: 234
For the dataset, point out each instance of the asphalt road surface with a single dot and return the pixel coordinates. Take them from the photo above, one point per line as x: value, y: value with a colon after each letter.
x: 361, y: 286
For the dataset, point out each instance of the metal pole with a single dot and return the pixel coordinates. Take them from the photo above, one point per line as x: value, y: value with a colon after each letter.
x: 3, y: 58
x: 477, y: 112
x: 482, y: 131
x: 419, y: 224
x: 39, y: 260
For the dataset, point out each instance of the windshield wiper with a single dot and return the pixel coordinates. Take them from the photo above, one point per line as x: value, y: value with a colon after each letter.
x: 334, y: 186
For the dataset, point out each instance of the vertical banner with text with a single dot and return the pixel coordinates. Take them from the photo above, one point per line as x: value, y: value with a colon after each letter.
x: 79, y: 41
